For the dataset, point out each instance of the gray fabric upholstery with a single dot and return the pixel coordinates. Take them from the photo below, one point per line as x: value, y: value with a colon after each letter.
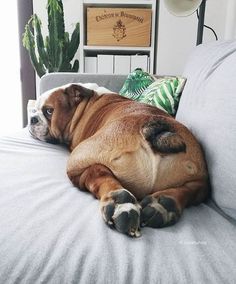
x: 50, y: 232
x: 52, y: 80
x: 208, y: 108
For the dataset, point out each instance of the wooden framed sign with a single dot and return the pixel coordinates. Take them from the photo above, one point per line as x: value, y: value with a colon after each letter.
x: 119, y: 26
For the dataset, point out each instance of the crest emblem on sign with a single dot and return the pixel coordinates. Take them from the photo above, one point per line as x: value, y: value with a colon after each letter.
x: 119, y: 30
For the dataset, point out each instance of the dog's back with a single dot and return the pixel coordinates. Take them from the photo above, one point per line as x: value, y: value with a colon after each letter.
x: 145, y: 148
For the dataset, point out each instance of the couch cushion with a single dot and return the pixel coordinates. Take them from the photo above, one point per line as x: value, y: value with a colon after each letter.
x: 50, y: 232
x: 208, y: 108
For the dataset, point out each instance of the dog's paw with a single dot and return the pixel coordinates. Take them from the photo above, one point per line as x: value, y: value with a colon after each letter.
x: 121, y: 211
x: 158, y: 212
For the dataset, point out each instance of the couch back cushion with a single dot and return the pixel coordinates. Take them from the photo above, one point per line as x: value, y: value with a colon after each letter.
x: 208, y: 108
x: 109, y: 81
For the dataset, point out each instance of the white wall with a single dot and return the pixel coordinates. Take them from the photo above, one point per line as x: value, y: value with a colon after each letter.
x: 230, y: 26
x: 10, y: 106
x: 176, y: 35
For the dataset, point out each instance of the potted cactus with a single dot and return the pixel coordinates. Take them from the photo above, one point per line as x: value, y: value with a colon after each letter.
x: 56, y: 52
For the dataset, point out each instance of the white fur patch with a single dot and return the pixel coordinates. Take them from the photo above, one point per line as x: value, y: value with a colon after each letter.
x: 125, y: 207
x: 162, y: 210
x: 167, y: 216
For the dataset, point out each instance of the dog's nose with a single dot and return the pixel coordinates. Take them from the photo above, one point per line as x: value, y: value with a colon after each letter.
x: 34, y: 120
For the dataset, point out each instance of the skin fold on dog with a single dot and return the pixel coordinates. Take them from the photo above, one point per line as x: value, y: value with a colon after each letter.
x: 143, y: 165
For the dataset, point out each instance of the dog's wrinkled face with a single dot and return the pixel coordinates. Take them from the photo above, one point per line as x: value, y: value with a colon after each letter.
x: 54, y: 110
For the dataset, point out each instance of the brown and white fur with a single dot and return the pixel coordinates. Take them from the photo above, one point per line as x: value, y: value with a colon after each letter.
x: 143, y: 165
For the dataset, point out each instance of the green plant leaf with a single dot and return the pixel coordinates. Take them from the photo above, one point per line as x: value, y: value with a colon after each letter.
x: 74, y: 42
x: 29, y: 43
x: 40, y: 42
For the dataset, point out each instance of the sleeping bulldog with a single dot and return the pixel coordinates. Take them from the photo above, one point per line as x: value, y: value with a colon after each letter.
x: 143, y: 165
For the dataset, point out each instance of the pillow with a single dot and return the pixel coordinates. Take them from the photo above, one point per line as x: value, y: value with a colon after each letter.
x: 136, y: 82
x: 164, y: 93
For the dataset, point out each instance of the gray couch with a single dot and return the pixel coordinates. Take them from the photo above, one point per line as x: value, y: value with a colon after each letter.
x: 52, y: 233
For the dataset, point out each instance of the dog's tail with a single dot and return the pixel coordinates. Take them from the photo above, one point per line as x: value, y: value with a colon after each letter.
x: 162, y: 137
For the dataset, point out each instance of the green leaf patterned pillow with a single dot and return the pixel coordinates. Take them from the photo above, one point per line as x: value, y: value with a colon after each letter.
x: 164, y: 93
x: 136, y: 82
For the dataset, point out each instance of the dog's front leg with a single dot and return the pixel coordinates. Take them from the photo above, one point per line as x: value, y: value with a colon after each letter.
x: 119, y: 207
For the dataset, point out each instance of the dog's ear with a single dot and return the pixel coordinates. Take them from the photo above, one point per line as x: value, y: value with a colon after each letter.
x: 76, y: 93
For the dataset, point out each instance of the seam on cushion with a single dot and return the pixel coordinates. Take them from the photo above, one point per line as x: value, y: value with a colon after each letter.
x: 219, y: 62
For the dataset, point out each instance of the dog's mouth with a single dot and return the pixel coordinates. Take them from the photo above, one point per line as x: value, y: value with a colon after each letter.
x: 41, y: 137
x: 32, y: 133
x: 52, y: 140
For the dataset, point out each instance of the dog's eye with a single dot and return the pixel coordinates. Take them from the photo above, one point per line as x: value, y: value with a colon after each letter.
x: 48, y: 112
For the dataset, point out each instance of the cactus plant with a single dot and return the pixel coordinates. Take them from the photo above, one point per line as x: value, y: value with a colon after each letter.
x: 55, y: 53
